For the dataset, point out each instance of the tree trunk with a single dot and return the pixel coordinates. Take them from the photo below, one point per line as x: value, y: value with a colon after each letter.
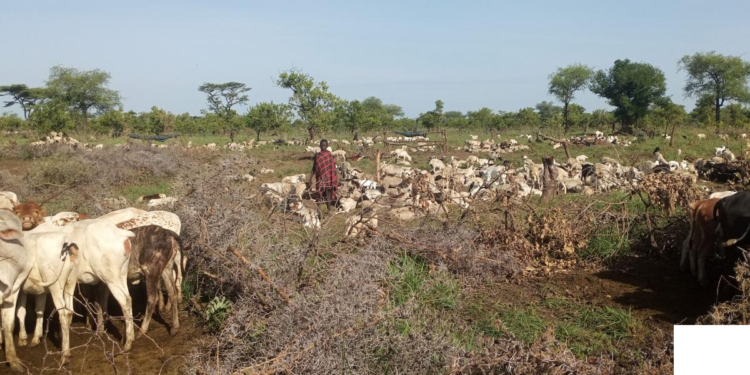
x: 85, y: 130
x: 549, y: 178
x: 718, y: 112
x: 257, y: 135
x: 671, y: 137
x: 565, y: 117
x: 311, y: 131
x: 231, y: 135
x: 377, y: 167
x: 613, y: 127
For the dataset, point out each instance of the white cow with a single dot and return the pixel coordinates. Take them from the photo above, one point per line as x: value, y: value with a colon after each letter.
x: 14, y: 269
x: 52, y: 272
x: 8, y: 200
x: 104, y: 254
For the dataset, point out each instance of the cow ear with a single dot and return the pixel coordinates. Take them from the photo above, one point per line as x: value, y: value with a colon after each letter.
x: 10, y: 234
x: 42, y: 212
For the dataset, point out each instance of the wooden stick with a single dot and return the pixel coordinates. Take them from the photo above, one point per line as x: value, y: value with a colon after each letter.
x: 564, y: 143
x: 260, y: 272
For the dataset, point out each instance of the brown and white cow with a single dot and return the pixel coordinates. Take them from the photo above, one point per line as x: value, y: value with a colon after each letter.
x: 152, y: 255
x: 702, y: 236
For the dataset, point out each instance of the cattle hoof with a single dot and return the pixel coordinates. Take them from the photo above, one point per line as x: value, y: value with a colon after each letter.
x: 174, y: 331
x: 16, y: 366
x: 23, y: 342
x: 34, y: 343
x: 65, y: 360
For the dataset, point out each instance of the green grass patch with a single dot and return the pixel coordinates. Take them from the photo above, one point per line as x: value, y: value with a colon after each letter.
x: 524, y: 323
x: 133, y: 192
x: 605, y: 243
x: 410, y: 275
x: 591, y: 330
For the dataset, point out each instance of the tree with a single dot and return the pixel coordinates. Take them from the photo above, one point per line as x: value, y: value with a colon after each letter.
x: 455, y: 119
x: 82, y: 91
x: 265, y: 117
x: 222, y: 97
x: 10, y: 122
x: 564, y: 83
x: 112, y: 121
x: 434, y: 118
x: 484, y: 119
x: 724, y: 78
x: 528, y: 117
x: 51, y: 115
x: 311, y: 100
x: 547, y: 112
x: 24, y: 96
x: 601, y: 117
x: 631, y: 88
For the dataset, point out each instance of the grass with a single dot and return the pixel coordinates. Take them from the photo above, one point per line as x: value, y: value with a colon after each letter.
x: 524, y: 323
x: 133, y: 192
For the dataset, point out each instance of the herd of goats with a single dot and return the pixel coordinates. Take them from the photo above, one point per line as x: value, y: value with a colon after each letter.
x: 44, y: 254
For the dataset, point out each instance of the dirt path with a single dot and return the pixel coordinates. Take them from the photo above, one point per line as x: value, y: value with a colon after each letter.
x: 162, y: 354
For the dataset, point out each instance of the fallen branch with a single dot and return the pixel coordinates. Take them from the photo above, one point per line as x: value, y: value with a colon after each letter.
x: 260, y: 272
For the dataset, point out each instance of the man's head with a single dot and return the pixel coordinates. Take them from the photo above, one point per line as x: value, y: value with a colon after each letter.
x: 323, y: 144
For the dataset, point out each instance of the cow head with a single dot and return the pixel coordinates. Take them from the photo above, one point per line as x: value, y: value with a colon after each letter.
x: 31, y: 215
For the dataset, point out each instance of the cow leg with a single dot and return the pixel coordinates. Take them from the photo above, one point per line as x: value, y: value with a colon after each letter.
x: 9, y: 319
x: 684, y: 255
x: 119, y: 290
x: 166, y: 278
x: 152, y: 293
x: 703, y: 250
x: 102, y: 300
x: 23, y: 338
x: 41, y: 304
x: 172, y: 296
x: 64, y: 306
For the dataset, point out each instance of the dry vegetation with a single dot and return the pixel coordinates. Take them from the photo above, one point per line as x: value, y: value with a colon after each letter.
x: 406, y: 299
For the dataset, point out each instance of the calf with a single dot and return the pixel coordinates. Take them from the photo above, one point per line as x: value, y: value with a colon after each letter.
x: 702, y: 236
x: 152, y: 253
x: 31, y: 214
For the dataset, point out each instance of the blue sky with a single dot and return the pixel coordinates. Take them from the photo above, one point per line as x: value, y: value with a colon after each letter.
x: 468, y: 54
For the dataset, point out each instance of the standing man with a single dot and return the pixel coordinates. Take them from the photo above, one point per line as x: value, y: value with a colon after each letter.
x: 324, y: 169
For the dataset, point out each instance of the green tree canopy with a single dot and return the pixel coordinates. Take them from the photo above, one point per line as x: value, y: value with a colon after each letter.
x: 222, y: 97
x: 483, y: 119
x: 564, y: 83
x: 434, y: 118
x: 547, y: 112
x: 631, y: 88
x: 265, y: 117
x: 311, y: 100
x: 10, y: 122
x: 52, y: 115
x: 82, y: 91
x: 723, y: 78
x: 24, y: 96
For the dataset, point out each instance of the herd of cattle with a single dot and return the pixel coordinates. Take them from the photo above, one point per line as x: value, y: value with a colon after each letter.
x: 404, y: 192
x: 43, y: 255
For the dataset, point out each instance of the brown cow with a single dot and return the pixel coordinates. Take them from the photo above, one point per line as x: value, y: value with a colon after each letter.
x: 702, y: 236
x: 153, y: 251
x: 31, y: 215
